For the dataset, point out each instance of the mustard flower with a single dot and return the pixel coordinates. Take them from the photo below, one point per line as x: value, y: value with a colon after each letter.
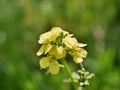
x: 51, y: 35
x: 55, y: 31
x: 44, y: 38
x: 70, y: 42
x: 52, y: 63
x: 50, y: 38
x: 75, y: 49
x: 79, y: 54
x: 57, y: 52
x: 55, y: 44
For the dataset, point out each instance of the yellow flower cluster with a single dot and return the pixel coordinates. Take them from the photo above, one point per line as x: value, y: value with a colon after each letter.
x: 55, y: 44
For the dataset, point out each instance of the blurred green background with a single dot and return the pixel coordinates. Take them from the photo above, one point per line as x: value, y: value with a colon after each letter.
x: 95, y: 22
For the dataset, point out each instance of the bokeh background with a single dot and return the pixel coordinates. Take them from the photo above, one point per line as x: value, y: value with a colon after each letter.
x: 95, y: 22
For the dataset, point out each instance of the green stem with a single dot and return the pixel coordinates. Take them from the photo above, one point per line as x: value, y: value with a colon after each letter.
x: 81, y: 65
x: 70, y: 74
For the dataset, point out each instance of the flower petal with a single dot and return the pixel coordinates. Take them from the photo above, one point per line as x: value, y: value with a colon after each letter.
x: 75, y: 75
x: 57, y: 52
x: 41, y: 50
x: 54, y: 67
x: 82, y: 45
x: 57, y: 30
x: 70, y: 42
x: 45, y: 62
x: 60, y: 52
x: 83, y: 53
x: 44, y: 38
x: 77, y: 58
x: 48, y: 47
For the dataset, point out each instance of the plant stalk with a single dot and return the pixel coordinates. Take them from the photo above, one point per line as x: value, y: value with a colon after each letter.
x: 70, y: 74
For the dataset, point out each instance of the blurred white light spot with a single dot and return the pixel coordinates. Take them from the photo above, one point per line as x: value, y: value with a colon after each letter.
x: 3, y: 37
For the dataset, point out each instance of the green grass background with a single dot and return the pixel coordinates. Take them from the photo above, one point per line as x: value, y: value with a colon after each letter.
x: 95, y: 22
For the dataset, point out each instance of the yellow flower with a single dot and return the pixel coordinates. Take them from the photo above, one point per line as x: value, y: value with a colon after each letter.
x: 70, y: 42
x: 74, y: 48
x: 54, y: 66
x: 47, y: 37
x: 55, y: 44
x: 79, y: 54
x: 57, y: 52
x: 57, y: 30
x: 44, y: 38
